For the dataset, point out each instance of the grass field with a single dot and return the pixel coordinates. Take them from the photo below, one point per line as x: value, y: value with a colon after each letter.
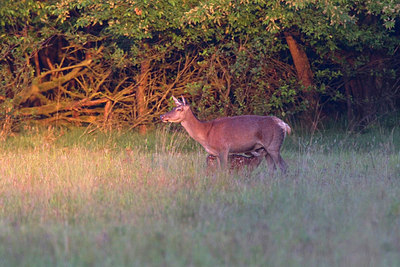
x: 70, y: 198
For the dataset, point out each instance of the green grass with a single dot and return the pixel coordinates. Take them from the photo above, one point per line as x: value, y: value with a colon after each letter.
x: 71, y: 198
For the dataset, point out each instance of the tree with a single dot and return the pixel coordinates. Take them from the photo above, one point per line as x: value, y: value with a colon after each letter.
x: 327, y: 41
x: 119, y: 60
x: 149, y: 28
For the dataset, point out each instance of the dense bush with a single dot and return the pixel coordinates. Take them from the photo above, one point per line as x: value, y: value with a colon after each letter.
x: 115, y: 63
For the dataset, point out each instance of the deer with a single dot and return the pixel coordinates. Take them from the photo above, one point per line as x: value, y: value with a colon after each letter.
x: 233, y: 135
x: 239, y: 162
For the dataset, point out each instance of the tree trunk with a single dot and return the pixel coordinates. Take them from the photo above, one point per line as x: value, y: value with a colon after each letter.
x: 305, y: 76
x: 300, y: 61
x: 143, y: 80
x: 37, y: 65
x: 349, y: 104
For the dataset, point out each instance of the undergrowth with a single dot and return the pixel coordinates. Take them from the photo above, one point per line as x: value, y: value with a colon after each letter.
x: 74, y: 198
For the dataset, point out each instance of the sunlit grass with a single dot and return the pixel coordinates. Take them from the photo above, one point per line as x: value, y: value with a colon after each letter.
x: 69, y: 198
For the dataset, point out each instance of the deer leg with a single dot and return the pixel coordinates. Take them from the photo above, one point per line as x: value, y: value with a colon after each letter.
x: 212, y: 163
x: 223, y: 159
x: 282, y: 164
x: 278, y: 160
x: 270, y: 163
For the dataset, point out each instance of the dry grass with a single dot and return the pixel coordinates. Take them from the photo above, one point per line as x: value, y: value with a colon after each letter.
x: 83, y: 200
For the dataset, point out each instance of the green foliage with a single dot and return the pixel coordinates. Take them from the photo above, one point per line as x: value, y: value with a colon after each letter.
x: 153, y: 22
x: 15, y: 15
x: 241, y: 62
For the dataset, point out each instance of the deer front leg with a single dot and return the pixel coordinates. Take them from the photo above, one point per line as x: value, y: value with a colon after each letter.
x: 223, y: 159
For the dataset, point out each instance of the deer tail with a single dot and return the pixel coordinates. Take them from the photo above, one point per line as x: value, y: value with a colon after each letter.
x: 287, y: 128
x: 284, y: 126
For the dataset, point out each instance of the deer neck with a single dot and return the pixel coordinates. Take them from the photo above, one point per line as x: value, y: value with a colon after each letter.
x: 196, y: 129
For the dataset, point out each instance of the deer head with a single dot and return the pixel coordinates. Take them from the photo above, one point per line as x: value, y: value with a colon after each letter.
x: 178, y: 113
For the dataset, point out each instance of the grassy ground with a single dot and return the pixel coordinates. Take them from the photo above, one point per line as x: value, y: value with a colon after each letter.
x: 69, y: 198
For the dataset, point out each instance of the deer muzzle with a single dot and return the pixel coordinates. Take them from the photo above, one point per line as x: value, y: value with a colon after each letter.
x: 163, y: 118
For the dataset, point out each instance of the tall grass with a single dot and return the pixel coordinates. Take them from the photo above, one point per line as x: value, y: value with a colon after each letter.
x: 69, y: 198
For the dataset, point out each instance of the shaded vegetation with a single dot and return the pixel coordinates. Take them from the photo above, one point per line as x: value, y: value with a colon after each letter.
x: 116, y: 63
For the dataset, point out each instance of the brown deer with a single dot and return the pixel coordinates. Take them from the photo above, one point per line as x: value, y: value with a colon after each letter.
x: 238, y: 162
x: 232, y: 135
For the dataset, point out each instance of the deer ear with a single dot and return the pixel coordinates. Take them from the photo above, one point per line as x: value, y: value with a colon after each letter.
x: 177, y: 102
x: 183, y: 100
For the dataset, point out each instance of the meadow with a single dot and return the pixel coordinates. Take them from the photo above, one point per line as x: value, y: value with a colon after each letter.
x: 75, y: 198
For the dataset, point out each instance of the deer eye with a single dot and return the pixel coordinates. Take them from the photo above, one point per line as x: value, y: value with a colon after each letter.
x: 178, y: 109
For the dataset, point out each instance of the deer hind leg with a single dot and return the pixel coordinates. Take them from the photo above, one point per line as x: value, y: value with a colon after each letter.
x: 270, y: 163
x: 282, y: 164
x: 278, y: 160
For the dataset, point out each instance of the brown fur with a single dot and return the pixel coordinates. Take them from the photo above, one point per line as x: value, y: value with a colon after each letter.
x: 237, y: 162
x: 233, y: 135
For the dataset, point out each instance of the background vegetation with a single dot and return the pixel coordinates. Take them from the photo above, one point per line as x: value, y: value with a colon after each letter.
x: 114, y: 197
x: 113, y: 63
